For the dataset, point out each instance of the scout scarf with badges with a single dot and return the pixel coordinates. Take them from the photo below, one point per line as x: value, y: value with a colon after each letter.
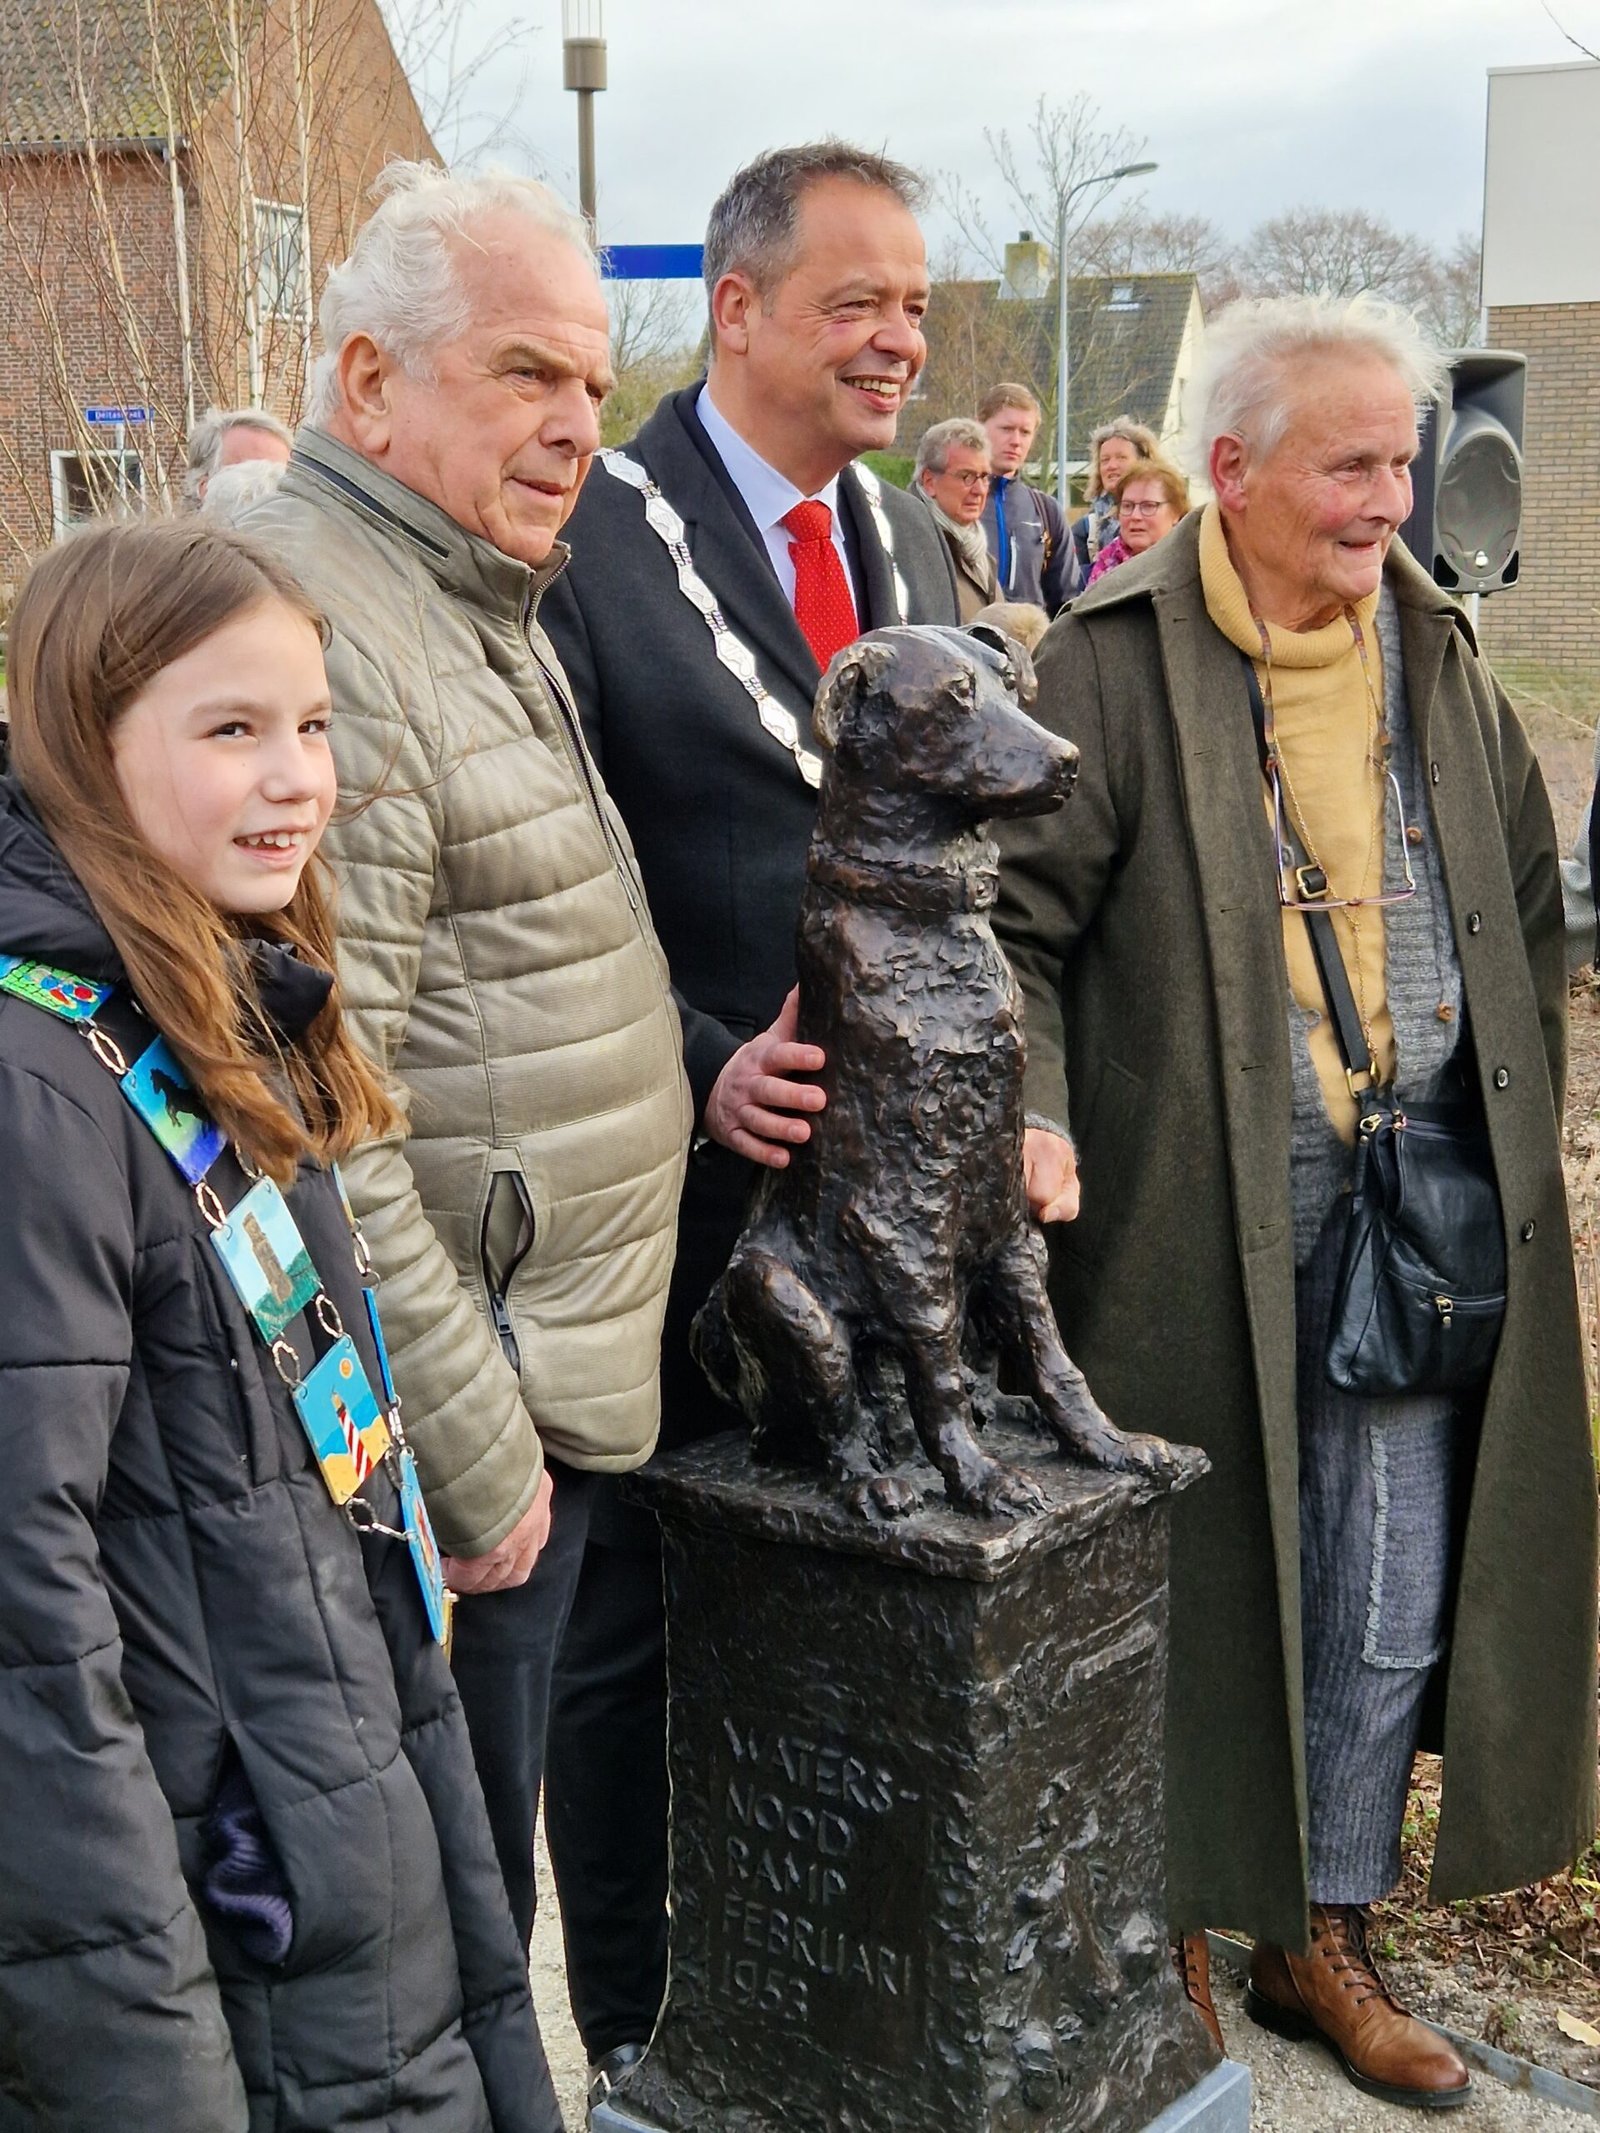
x: 265, y: 1258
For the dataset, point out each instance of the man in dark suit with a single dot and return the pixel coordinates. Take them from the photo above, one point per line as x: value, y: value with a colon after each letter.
x: 717, y: 563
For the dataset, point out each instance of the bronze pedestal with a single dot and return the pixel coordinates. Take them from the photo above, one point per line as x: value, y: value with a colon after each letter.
x: 917, y: 1814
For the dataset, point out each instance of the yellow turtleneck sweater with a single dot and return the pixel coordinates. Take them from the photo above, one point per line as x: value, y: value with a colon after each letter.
x: 1324, y: 720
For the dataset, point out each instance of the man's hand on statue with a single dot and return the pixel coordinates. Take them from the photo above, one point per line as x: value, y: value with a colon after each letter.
x: 753, y: 1105
x: 511, y: 1563
x: 1050, y: 1173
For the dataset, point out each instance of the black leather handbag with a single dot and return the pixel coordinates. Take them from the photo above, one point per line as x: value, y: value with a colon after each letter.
x: 1421, y: 1289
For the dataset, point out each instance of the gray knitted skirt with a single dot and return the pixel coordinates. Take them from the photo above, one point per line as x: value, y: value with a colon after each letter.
x: 1377, y: 1482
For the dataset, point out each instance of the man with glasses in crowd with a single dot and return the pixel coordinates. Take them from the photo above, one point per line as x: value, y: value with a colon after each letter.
x: 952, y: 478
x: 1356, y: 1575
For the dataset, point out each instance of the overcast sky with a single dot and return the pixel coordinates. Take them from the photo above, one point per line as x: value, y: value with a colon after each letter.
x: 1248, y: 107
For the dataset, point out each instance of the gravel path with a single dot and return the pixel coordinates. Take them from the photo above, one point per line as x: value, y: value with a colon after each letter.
x: 1298, y: 2089
x: 548, y: 1976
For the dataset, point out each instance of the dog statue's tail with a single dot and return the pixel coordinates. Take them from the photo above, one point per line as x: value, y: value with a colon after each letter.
x: 769, y: 1348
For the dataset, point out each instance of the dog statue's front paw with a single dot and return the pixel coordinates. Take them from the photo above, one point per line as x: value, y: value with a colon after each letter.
x: 1000, y: 1491
x: 1141, y: 1454
x: 1129, y: 1452
x: 884, y: 1496
x: 1175, y: 1464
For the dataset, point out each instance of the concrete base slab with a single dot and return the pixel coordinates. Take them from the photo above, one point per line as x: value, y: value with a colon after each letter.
x: 610, y: 2117
x: 1218, y: 2104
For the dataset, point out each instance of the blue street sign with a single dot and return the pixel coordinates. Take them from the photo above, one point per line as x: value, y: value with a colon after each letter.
x: 651, y: 262
x: 117, y: 418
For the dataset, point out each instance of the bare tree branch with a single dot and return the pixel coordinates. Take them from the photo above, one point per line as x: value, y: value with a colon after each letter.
x: 446, y: 72
x: 1064, y: 146
x: 1576, y: 42
x: 650, y: 319
x: 1137, y: 243
x: 656, y: 339
x: 1346, y: 252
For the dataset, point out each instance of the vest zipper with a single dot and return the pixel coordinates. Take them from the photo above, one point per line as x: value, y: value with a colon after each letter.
x: 498, y: 1274
x: 500, y: 1317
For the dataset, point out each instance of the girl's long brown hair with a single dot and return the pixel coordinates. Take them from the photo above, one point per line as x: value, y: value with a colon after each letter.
x: 96, y: 620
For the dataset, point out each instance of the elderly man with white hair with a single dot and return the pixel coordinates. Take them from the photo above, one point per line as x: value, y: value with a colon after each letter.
x: 496, y: 952
x: 1289, y: 736
x: 225, y: 437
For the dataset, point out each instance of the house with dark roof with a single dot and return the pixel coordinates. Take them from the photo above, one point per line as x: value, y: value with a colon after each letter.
x: 1132, y: 340
x: 175, y: 178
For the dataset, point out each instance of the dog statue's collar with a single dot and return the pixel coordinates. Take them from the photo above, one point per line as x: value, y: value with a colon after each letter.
x: 904, y: 884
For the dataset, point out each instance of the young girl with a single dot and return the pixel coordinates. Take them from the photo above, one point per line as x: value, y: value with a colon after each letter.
x: 246, y: 1879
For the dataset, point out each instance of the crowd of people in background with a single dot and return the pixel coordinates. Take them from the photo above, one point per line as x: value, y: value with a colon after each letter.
x: 1009, y: 539
x: 352, y: 1262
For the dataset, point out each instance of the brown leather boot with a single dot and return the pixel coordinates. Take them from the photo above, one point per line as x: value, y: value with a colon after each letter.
x: 1191, y: 1958
x: 1335, y: 1994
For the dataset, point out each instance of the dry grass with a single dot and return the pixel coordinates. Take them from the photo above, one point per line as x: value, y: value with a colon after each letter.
x: 1553, y: 704
x: 1545, y: 1936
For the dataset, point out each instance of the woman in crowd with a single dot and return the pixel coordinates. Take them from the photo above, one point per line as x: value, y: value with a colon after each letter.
x: 246, y: 1878
x: 1113, y: 448
x: 1151, y: 498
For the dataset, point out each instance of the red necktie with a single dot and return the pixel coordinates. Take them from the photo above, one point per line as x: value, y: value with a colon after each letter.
x: 822, y: 604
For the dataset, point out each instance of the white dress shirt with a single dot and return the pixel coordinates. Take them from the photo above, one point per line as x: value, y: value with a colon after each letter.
x: 768, y: 495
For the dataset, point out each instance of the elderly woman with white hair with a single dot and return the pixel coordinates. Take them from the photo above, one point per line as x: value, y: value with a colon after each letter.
x: 1307, y: 892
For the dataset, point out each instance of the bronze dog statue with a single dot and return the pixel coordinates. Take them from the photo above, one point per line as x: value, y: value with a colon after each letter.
x: 893, y: 1260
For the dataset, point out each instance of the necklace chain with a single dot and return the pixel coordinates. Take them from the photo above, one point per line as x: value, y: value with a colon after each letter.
x: 1377, y: 756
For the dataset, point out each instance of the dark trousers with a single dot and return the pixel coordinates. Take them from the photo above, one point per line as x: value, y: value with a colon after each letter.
x: 606, y: 1801
x: 606, y: 1783
x: 503, y: 1656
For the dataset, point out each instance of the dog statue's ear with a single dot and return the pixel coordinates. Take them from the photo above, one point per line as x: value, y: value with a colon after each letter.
x: 1017, y: 674
x: 852, y: 674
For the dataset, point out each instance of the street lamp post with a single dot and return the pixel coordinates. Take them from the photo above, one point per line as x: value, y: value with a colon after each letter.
x: 583, y: 65
x: 1104, y: 177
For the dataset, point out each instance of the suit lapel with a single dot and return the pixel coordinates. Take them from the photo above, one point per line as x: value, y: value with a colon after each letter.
x: 877, y: 573
x: 728, y: 552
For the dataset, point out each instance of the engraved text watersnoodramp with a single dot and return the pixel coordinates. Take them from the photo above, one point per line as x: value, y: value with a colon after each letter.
x: 811, y: 1836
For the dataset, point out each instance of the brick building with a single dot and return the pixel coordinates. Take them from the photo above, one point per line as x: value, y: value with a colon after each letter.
x: 1541, y: 289
x: 175, y: 178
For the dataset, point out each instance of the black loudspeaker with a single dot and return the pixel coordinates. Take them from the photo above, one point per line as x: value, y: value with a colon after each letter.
x: 1466, y: 518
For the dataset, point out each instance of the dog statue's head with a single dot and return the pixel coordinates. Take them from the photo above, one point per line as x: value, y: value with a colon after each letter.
x: 938, y: 712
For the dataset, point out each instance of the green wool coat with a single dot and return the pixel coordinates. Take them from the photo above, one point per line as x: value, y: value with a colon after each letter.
x: 1144, y: 928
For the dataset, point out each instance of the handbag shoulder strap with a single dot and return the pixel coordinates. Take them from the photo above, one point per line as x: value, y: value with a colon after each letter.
x: 1335, y: 979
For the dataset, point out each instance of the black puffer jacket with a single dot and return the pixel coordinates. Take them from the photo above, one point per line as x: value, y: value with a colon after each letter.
x: 180, y: 1602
